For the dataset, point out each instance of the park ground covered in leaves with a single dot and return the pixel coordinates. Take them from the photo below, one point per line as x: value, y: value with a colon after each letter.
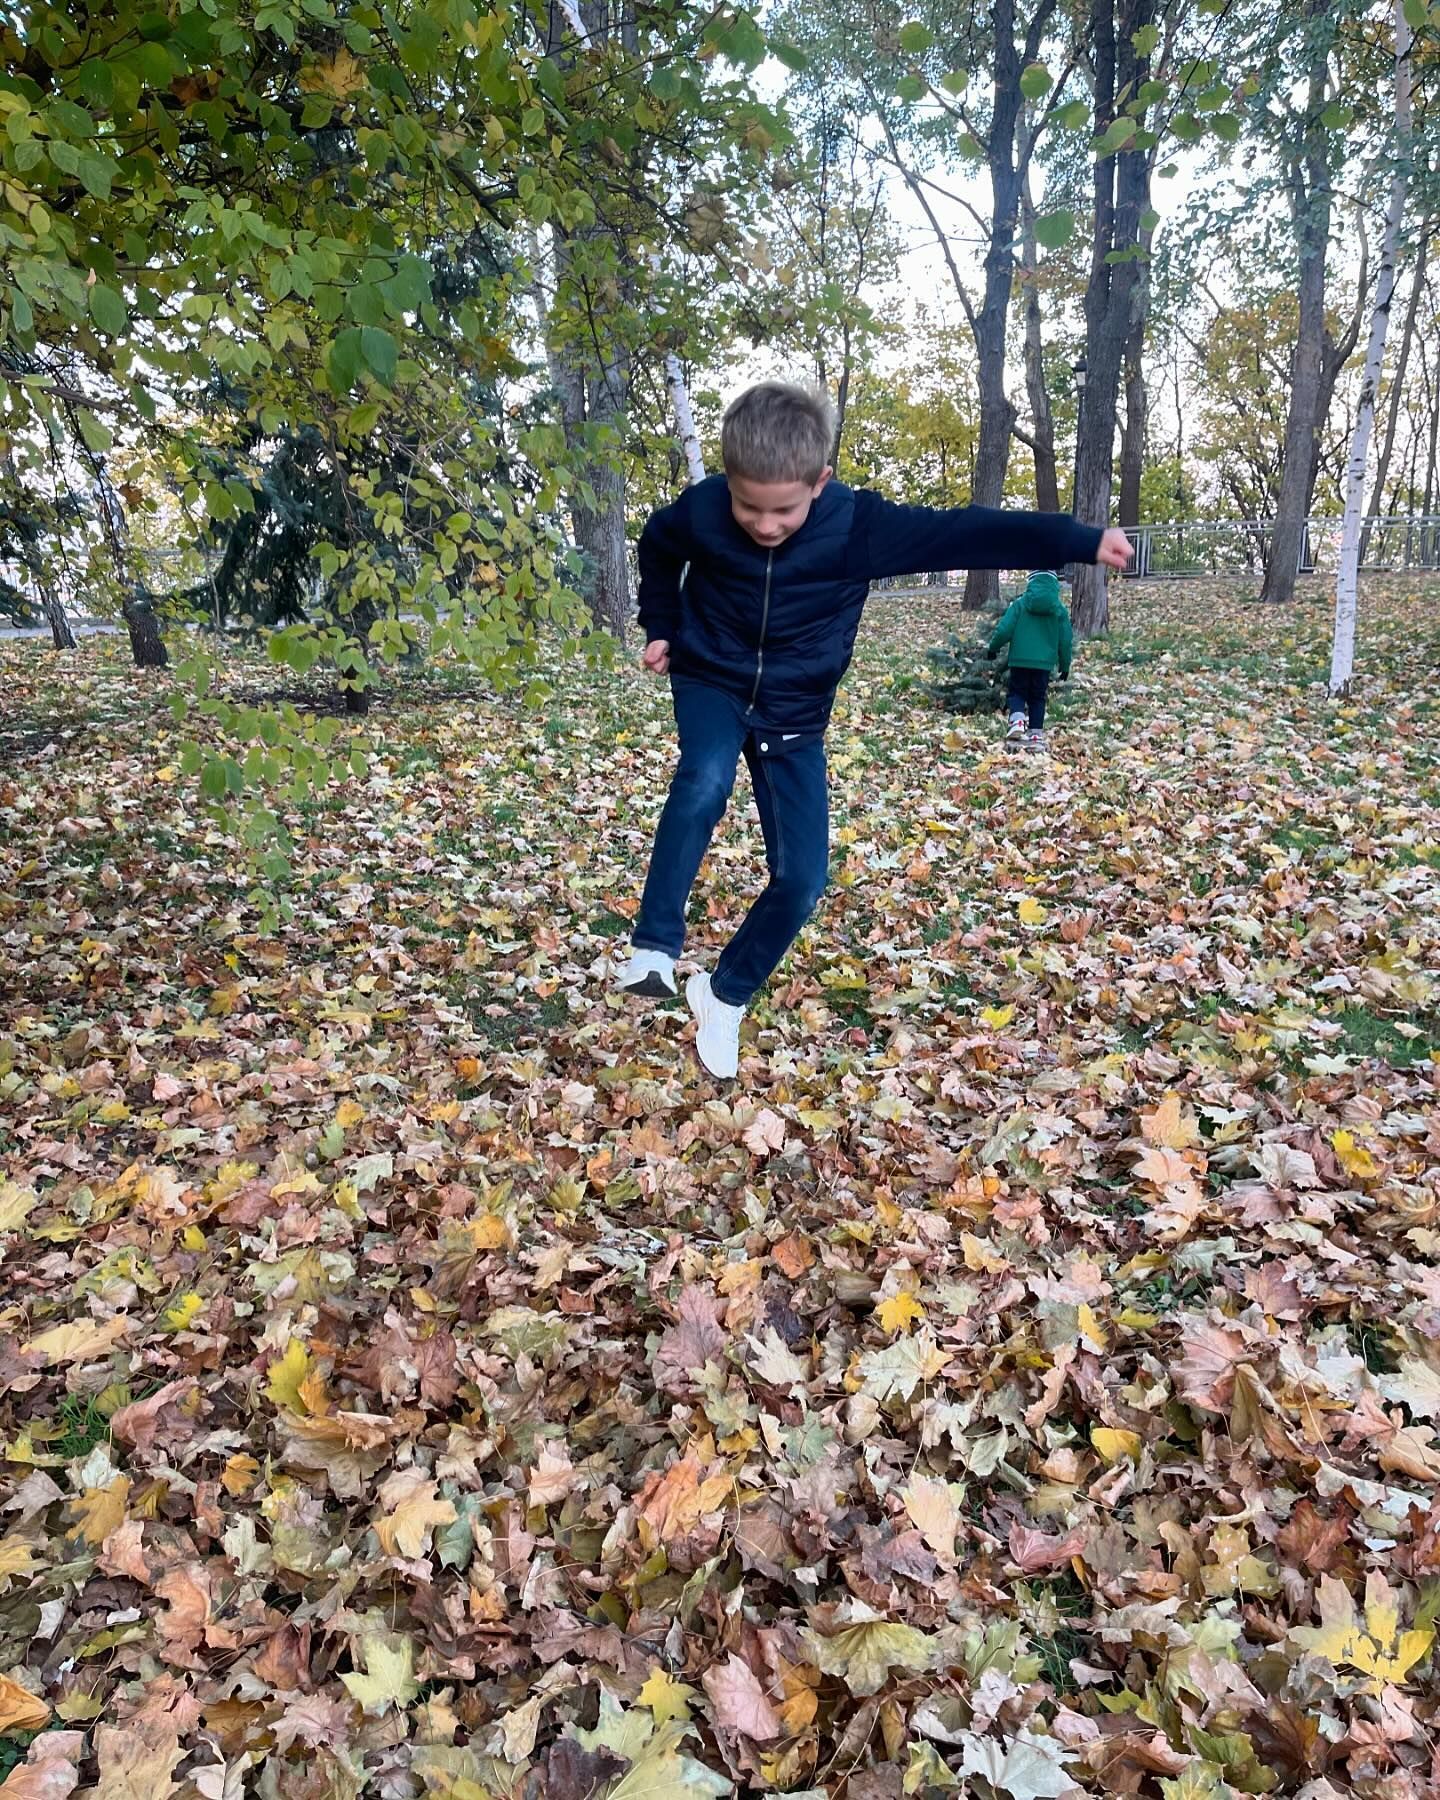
x: 417, y: 1378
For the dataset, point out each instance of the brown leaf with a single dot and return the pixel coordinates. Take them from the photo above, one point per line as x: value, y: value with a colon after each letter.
x: 162, y: 1419
x: 765, y: 1135
x: 695, y: 1339
x: 793, y: 1255
x: 1205, y: 1374
x: 738, y: 1701
x: 1310, y: 1541
x: 49, y: 1771
x: 1032, y: 1550
x: 134, y: 1764
x: 20, y: 1710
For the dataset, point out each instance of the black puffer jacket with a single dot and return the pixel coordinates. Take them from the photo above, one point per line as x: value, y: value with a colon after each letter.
x: 776, y: 628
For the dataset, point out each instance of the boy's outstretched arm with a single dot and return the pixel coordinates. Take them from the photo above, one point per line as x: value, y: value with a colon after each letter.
x: 663, y: 554
x: 898, y: 540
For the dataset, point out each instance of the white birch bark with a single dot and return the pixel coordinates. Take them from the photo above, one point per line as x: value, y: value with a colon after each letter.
x: 684, y: 418
x: 686, y: 435
x: 1347, y: 581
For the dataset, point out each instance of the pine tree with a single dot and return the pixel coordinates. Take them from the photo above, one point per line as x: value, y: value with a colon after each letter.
x: 964, y: 679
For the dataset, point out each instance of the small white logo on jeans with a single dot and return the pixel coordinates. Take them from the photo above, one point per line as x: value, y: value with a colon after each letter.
x: 789, y: 736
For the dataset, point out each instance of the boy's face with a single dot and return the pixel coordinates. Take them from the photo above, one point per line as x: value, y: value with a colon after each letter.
x: 771, y: 511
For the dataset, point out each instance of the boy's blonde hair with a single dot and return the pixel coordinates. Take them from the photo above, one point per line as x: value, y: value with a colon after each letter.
x: 778, y: 431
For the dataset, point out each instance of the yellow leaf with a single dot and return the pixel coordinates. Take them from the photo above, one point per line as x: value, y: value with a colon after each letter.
x: 181, y: 1315
x: 193, y: 1239
x: 416, y: 1508
x: 20, y: 1710
x: 1031, y: 911
x: 1113, y: 1443
x: 347, y: 1113
x: 979, y: 1256
x: 997, y: 1017
x: 1135, y: 1320
x: 1354, y: 1158
x: 16, y: 1558
x: 666, y: 1697
x: 341, y: 77
x: 1382, y: 1609
x: 15, y: 1203
x: 931, y: 1504
x: 491, y: 1231
x: 1170, y: 1125
x: 282, y: 1384
x: 80, y: 1342
x: 389, y: 1677
x: 99, y: 1511
x: 898, y: 1313
x: 1092, y: 1329
x: 238, y: 1475
x: 1380, y: 1650
x: 168, y: 773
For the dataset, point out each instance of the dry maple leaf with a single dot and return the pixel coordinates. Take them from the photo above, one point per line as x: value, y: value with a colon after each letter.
x: 414, y: 1509
x: 738, y: 1702
x: 1204, y: 1374
x: 695, y: 1339
x: 765, y: 1134
x: 1031, y: 1550
x: 50, y: 1770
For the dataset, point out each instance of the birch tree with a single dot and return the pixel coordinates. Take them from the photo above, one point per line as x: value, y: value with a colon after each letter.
x: 1347, y: 581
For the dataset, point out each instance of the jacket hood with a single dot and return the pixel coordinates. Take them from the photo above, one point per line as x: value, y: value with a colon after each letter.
x: 1042, y: 594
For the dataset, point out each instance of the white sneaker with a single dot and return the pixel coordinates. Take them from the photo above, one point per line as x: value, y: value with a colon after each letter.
x: 1018, y: 724
x: 648, y: 972
x: 717, y: 1039
x: 1036, y: 741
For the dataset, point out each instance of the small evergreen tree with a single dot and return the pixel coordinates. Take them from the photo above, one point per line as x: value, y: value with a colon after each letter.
x: 964, y: 679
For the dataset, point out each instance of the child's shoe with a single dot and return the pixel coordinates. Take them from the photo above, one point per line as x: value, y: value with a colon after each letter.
x: 650, y: 973
x: 1035, y: 741
x: 1018, y: 722
x: 717, y: 1037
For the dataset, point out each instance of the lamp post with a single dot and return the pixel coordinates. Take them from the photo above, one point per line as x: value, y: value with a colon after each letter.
x: 1079, y: 368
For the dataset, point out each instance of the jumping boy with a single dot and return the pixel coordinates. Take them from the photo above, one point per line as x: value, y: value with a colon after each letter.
x: 751, y: 588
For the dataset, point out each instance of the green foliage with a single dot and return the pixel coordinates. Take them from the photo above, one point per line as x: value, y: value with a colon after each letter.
x: 963, y: 679
x: 223, y: 236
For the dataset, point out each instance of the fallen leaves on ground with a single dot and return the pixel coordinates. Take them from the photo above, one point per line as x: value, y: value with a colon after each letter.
x: 417, y: 1378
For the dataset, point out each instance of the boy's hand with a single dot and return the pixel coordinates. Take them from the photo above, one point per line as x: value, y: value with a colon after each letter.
x: 657, y: 656
x: 1115, y: 549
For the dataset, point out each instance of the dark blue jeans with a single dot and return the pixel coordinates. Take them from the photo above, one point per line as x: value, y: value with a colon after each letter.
x: 794, y: 804
x: 1028, y: 689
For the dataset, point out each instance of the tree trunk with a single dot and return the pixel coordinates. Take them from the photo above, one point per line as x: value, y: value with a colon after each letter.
x: 997, y: 413
x: 54, y: 609
x: 686, y: 435
x: 1308, y: 184
x: 1047, y: 480
x: 1397, y: 388
x: 146, y: 644
x: 1432, y: 396
x: 1120, y: 186
x: 600, y: 530
x: 1132, y: 438
x: 1347, y: 581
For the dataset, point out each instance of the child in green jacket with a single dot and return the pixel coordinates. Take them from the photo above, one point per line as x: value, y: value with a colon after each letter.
x: 1036, y: 626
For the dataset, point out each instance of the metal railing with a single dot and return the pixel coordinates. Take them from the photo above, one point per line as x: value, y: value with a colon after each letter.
x: 1195, y: 547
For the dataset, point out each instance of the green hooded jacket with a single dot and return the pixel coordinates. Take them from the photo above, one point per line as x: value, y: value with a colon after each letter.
x: 1036, y: 626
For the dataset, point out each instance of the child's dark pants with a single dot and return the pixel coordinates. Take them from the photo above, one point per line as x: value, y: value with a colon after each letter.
x: 1028, y: 688
x: 788, y: 775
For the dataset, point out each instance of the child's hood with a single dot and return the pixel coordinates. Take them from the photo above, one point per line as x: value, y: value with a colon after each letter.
x: 1042, y: 594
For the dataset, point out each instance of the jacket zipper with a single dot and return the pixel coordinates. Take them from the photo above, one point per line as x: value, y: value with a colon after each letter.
x: 764, y: 622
